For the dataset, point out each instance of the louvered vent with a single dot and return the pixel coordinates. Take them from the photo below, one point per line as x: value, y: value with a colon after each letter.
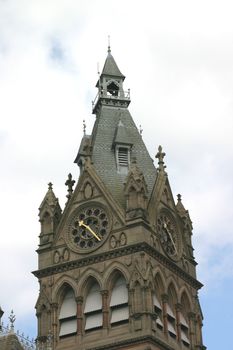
x: 123, y: 157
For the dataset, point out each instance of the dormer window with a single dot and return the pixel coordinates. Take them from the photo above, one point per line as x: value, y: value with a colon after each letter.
x: 123, y: 159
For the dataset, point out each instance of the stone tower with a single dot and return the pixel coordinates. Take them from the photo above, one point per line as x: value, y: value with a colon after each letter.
x: 116, y: 266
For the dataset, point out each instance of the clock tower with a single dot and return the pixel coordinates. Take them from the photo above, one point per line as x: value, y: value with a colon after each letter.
x: 116, y: 266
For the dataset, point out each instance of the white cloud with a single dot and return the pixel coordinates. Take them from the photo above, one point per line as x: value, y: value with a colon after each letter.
x: 178, y: 61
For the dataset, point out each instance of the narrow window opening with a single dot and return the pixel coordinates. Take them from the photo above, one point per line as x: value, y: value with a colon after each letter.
x: 184, y: 331
x: 171, y: 322
x: 67, y: 315
x: 93, y: 309
x: 113, y: 89
x: 119, y: 303
x: 158, y: 312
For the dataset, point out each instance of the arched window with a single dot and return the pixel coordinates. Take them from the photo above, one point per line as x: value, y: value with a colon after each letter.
x: 67, y: 315
x: 119, y: 302
x: 93, y: 308
x: 113, y: 89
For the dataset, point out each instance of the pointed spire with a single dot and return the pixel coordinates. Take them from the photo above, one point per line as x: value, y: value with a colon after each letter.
x: 110, y: 66
x: 50, y: 197
x: 49, y: 201
x: 160, y: 155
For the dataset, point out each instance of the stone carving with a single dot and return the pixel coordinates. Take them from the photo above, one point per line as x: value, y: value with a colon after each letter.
x: 88, y: 191
x: 61, y: 255
x: 118, y: 242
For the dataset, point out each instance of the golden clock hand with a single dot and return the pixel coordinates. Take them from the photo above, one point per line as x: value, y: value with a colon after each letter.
x: 171, y: 238
x: 81, y: 223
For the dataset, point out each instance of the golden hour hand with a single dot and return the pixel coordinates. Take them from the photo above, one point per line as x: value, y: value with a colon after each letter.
x: 81, y: 223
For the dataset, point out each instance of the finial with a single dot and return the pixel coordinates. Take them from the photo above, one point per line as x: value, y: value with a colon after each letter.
x: 179, y: 197
x: 50, y: 185
x: 160, y: 155
x: 140, y: 130
x: 84, y: 127
x: 69, y: 183
x: 109, y: 46
x: 98, y: 68
x: 12, y: 319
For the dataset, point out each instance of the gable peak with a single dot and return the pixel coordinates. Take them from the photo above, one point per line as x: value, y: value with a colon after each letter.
x: 49, y: 197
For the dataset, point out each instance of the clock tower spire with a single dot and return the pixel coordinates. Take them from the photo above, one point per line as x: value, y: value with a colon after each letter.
x: 117, y: 270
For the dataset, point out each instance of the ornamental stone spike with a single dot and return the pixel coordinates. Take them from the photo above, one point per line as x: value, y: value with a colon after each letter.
x: 12, y: 319
x: 160, y: 155
x: 69, y: 183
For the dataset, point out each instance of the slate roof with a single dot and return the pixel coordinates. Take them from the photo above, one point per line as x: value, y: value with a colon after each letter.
x: 103, y: 154
x: 111, y: 68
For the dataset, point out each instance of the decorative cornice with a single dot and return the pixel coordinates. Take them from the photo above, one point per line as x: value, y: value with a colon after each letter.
x: 127, y: 250
x: 138, y: 340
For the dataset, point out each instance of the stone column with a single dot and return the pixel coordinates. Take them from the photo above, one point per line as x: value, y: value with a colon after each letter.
x: 105, y: 308
x: 79, y: 301
x: 192, y: 327
x: 164, y: 308
x: 178, y: 308
x: 54, y: 318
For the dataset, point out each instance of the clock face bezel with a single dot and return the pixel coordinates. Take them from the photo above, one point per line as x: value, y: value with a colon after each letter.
x: 97, y: 218
x: 169, y: 235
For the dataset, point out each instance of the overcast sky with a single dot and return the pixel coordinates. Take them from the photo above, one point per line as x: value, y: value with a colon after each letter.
x: 178, y: 60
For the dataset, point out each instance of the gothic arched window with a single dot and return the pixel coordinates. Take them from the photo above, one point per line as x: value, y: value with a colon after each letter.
x: 119, y: 302
x: 93, y: 308
x: 113, y: 89
x: 67, y: 314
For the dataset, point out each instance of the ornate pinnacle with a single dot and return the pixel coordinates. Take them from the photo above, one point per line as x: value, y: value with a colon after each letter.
x: 140, y: 130
x: 109, y: 46
x: 179, y: 197
x: 69, y: 183
x: 12, y: 319
x: 50, y: 185
x: 160, y: 155
x: 84, y: 127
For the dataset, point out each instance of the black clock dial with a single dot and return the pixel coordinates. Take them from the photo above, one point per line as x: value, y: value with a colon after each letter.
x: 168, y: 235
x: 89, y: 227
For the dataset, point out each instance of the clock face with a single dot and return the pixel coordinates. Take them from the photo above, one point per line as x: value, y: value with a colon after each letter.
x: 88, y: 227
x: 167, y: 231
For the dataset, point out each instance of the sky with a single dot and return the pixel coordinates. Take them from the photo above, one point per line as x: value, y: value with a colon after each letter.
x: 178, y: 60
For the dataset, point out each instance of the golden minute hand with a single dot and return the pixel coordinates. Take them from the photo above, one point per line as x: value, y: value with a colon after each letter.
x: 81, y: 223
x: 171, y: 238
